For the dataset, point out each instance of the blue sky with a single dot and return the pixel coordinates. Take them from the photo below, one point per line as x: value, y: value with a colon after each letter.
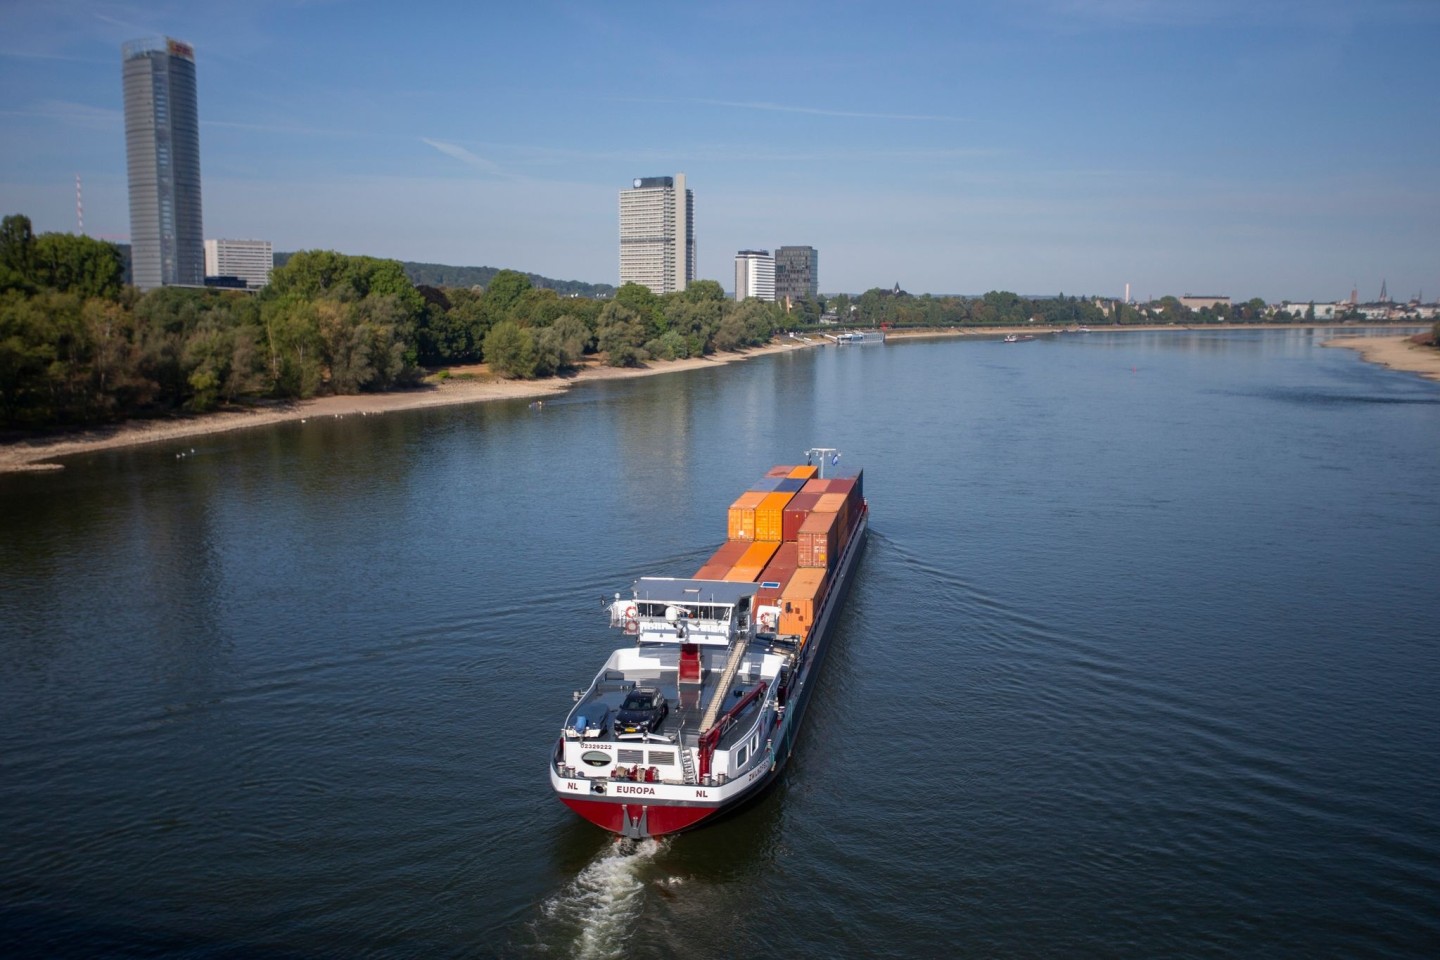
x: 1272, y: 148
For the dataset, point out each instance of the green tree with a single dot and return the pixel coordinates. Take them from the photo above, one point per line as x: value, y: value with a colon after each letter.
x: 510, y: 350
x: 620, y: 334
x: 78, y: 264
x: 17, y: 244
x: 503, y: 293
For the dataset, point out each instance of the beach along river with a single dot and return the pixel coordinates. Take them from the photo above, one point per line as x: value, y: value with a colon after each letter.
x: 1143, y: 660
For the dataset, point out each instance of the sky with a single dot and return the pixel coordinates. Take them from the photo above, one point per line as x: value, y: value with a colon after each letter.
x: 1285, y: 149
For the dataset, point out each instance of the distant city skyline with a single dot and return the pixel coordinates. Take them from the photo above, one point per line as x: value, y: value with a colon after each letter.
x: 1271, y: 148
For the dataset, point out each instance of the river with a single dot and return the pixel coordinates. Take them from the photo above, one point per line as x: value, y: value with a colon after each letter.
x: 1143, y: 660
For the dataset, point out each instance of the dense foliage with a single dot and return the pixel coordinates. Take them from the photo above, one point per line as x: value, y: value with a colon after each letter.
x: 444, y: 275
x: 77, y: 346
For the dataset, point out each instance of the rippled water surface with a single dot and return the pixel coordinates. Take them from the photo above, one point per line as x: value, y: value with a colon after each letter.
x: 1143, y: 660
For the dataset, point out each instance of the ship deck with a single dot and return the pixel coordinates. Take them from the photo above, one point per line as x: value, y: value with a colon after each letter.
x: 688, y: 702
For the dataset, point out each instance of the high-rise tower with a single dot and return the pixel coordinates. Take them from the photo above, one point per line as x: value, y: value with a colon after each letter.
x: 657, y: 233
x: 754, y: 275
x: 162, y: 153
x: 797, y: 274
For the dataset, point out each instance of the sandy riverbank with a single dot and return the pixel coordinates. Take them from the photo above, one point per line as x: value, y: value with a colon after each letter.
x: 40, y: 453
x: 1397, y: 353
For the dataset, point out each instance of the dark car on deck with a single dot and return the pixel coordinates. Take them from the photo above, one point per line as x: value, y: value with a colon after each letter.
x: 642, y: 712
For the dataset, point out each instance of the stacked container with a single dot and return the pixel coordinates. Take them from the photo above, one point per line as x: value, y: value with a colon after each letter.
x: 752, y: 562
x: 722, y: 560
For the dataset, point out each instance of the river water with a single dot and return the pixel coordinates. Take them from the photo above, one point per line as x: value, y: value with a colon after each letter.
x: 1143, y: 660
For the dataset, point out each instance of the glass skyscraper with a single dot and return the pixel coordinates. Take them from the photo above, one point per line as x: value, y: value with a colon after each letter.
x: 162, y: 153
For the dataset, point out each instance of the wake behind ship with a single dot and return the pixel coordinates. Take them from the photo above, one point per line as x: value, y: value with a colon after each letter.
x: 699, y: 713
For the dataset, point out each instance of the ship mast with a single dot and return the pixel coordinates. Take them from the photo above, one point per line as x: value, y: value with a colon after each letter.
x: 823, y: 453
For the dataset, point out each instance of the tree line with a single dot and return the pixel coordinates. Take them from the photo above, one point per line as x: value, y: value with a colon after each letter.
x: 78, y: 346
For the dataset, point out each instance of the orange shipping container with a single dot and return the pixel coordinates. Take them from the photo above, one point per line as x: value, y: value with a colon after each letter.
x: 712, y: 571
x: 780, y: 472
x: 799, y: 600
x: 770, y: 516
x: 816, y: 486
x: 749, y: 567
x: 729, y: 553
x: 803, y: 473
x: 817, y: 539
x: 742, y: 515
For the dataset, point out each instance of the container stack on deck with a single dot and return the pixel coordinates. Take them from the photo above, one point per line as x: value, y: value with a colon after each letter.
x: 788, y: 529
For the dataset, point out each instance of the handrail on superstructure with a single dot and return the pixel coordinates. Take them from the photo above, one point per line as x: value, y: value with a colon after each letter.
x: 710, y: 739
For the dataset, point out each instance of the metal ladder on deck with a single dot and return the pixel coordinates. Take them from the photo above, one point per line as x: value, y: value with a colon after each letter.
x: 687, y: 762
x: 732, y: 667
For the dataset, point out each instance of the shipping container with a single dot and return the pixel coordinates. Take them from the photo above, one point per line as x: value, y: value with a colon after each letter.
x: 790, y: 484
x: 804, y: 473
x: 780, y: 471
x: 752, y: 563
x: 778, y: 571
x: 795, y: 513
x: 713, y: 571
x: 725, y: 557
x: 816, y: 486
x: 766, y: 484
x: 817, y: 539
x: 742, y: 515
x: 799, y: 601
x: 770, y: 516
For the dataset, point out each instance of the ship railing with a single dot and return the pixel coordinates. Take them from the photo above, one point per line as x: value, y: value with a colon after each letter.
x: 710, y: 739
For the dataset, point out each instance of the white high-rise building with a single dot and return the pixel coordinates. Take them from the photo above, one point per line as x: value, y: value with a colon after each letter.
x: 657, y: 233
x: 250, y: 260
x: 754, y: 275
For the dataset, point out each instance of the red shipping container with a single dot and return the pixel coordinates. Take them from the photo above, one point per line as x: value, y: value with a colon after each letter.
x: 795, y: 513
x: 779, y: 570
x: 817, y: 540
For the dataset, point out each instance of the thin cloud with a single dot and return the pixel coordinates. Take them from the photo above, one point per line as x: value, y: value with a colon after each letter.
x: 278, y: 128
x: 809, y: 111
x: 819, y: 112
x: 74, y: 114
x: 457, y: 152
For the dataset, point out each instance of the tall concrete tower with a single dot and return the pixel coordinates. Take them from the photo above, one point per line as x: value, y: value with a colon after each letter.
x: 162, y: 153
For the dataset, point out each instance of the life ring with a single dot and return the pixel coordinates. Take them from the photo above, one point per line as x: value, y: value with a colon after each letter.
x: 632, y: 626
x: 767, y: 621
x: 631, y: 613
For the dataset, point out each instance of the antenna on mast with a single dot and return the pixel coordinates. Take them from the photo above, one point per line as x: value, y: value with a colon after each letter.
x: 824, y: 453
x: 79, y: 207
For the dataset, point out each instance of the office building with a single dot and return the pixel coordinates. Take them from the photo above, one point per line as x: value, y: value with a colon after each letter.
x: 754, y: 275
x: 797, y: 274
x: 162, y: 153
x: 250, y: 260
x: 657, y: 233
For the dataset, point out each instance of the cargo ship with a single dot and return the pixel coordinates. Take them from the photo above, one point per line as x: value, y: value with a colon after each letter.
x: 699, y: 711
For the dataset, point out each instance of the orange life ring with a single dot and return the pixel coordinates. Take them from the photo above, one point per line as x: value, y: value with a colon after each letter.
x: 631, y: 613
x: 632, y: 626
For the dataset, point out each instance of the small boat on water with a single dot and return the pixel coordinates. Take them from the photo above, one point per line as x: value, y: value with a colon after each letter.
x: 859, y: 337
x: 699, y: 712
x: 1021, y: 338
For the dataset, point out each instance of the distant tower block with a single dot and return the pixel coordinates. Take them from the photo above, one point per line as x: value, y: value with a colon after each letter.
x: 1127, y: 293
